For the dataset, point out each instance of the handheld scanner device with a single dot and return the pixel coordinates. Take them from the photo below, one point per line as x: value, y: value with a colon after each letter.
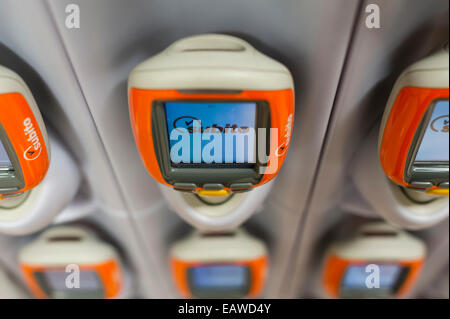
x: 378, y: 261
x: 210, y: 114
x: 414, y: 135
x: 24, y: 146
x: 219, y: 266
x: 68, y: 262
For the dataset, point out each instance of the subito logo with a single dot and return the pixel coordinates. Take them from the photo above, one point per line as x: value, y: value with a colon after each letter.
x: 287, y: 135
x: 440, y: 124
x: 35, y: 149
x: 187, y: 122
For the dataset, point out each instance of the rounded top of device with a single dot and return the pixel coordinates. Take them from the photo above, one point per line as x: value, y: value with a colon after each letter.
x: 379, y: 241
x: 230, y: 247
x: 64, y: 245
x: 211, y: 62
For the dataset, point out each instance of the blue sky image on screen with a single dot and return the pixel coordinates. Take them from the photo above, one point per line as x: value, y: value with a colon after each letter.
x: 181, y: 114
x: 220, y: 276
x: 4, y: 158
x: 434, y: 146
x: 355, y: 276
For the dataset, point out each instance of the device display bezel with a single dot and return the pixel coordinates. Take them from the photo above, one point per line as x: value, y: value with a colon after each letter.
x: 202, y: 173
x: 435, y: 172
x: 11, y: 181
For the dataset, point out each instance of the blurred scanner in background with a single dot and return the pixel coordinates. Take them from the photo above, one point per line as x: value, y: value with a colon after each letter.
x: 414, y: 135
x: 378, y: 261
x: 232, y: 265
x: 50, y: 265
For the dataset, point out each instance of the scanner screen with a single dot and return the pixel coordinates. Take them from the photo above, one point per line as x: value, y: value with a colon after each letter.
x: 434, y: 146
x: 5, y: 162
x: 211, y: 132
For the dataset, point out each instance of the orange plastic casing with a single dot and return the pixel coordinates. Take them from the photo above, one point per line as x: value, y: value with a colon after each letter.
x: 14, y: 110
x: 109, y: 273
x: 406, y: 114
x: 141, y: 101
x: 258, y: 270
x: 335, y: 268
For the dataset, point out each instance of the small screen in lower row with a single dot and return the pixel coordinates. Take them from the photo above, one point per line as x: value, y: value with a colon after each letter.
x: 219, y: 277
x: 361, y: 276
x: 5, y: 162
x: 434, y: 146
x: 225, y: 132
x: 58, y: 283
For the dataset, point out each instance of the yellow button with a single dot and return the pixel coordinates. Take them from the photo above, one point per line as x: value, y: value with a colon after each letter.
x: 215, y: 193
x: 438, y: 191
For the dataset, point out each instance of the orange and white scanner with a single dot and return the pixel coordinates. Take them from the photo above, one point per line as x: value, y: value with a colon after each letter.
x: 33, y: 188
x: 212, y: 117
x: 378, y: 261
x: 69, y: 262
x: 24, y: 145
x: 201, y: 108
x: 232, y: 265
x: 414, y: 136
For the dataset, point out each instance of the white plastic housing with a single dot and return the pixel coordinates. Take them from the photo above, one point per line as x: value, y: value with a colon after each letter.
x: 401, y: 247
x: 87, y: 250
x: 221, y: 217
x: 228, y: 248
x: 45, y: 201
x: 188, y: 64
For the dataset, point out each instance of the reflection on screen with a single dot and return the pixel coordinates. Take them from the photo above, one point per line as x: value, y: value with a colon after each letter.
x: 355, y: 276
x: 211, y: 132
x: 4, y: 158
x: 434, y: 145
x: 220, y: 276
